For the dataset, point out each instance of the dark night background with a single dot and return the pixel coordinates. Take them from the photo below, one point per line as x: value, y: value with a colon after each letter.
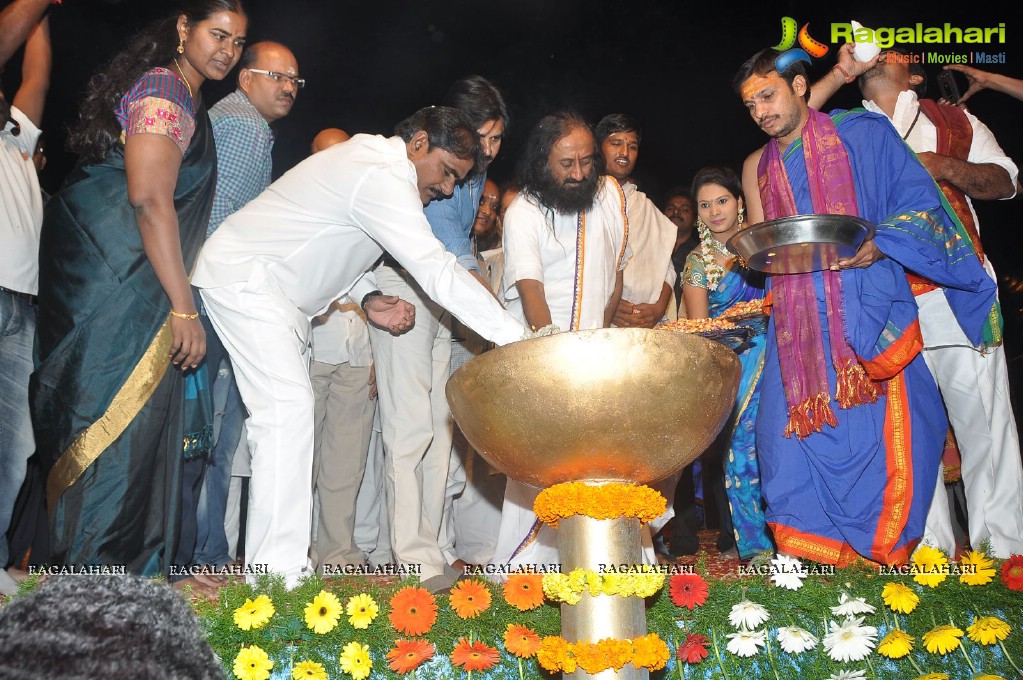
x: 669, y: 63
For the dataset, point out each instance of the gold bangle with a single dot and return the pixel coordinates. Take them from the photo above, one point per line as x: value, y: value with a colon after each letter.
x: 189, y: 317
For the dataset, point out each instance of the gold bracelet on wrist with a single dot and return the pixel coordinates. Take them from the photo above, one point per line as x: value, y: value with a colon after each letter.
x: 188, y: 317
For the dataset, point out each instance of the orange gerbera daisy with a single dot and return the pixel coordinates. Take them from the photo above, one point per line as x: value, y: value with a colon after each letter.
x: 469, y: 598
x: 524, y: 591
x: 521, y: 641
x: 413, y: 611
x: 475, y: 656
x: 408, y: 655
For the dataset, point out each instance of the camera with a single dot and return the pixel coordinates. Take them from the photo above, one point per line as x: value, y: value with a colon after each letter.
x: 949, y: 86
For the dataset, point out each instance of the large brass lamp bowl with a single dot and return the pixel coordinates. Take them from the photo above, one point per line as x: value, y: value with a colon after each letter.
x: 616, y: 404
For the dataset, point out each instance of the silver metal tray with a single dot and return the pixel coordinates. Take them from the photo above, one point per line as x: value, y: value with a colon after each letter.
x: 801, y: 243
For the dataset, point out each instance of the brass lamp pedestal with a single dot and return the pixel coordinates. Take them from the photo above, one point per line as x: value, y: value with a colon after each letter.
x: 596, y: 544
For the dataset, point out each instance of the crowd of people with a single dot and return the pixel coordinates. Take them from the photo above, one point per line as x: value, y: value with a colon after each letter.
x: 175, y: 321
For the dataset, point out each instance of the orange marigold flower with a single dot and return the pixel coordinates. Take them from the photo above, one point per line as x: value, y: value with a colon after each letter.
x: 521, y: 641
x: 688, y: 590
x: 650, y: 651
x: 606, y: 501
x: 593, y: 658
x: 1012, y: 572
x: 469, y: 599
x: 408, y: 655
x: 553, y: 655
x: 413, y: 611
x: 474, y: 657
x: 524, y: 591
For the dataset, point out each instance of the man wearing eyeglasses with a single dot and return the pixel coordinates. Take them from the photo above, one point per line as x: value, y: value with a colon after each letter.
x: 268, y: 83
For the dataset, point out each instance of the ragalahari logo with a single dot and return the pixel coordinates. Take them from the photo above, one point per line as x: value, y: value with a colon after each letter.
x: 790, y: 36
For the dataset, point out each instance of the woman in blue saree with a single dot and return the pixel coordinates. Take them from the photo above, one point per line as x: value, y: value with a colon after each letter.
x: 114, y: 396
x: 713, y: 282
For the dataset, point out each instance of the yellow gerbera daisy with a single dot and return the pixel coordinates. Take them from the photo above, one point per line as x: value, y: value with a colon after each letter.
x: 252, y: 663
x: 308, y: 670
x: 322, y: 614
x: 355, y: 660
x: 978, y: 569
x: 896, y: 644
x: 900, y: 597
x: 254, y: 614
x: 361, y: 609
x: 930, y: 566
x: 987, y: 630
x: 942, y: 640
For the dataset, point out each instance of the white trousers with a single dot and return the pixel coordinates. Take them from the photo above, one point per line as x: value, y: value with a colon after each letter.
x: 416, y: 424
x: 267, y: 338
x: 372, y: 531
x: 975, y: 389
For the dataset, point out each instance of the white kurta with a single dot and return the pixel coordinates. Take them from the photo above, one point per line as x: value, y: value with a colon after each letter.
x: 284, y: 257
x: 651, y: 239
x: 577, y: 262
x: 577, y: 266
x: 974, y: 383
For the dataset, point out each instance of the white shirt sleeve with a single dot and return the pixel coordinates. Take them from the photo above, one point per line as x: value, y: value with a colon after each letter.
x: 985, y: 149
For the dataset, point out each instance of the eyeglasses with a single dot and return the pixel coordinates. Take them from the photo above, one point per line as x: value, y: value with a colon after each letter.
x: 299, y: 83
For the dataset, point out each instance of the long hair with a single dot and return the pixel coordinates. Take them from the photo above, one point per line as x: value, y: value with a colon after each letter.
x: 724, y: 177
x: 479, y: 99
x: 532, y: 168
x: 97, y: 129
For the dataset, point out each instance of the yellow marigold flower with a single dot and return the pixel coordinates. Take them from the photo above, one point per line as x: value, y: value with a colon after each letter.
x: 987, y: 630
x: 322, y: 614
x: 930, y: 566
x: 254, y: 614
x: 308, y: 670
x: 361, y: 610
x: 988, y: 677
x: 252, y: 663
x: 900, y: 597
x: 978, y: 569
x: 942, y: 640
x: 896, y: 644
x: 355, y: 660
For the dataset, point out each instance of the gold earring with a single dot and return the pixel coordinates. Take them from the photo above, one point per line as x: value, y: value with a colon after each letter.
x: 181, y: 45
x: 742, y: 216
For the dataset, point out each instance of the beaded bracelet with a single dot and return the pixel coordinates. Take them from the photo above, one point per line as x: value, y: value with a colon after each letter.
x: 188, y: 317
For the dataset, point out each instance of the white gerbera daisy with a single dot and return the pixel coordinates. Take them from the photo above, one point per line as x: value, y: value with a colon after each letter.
x: 852, y: 606
x: 796, y: 640
x: 746, y: 642
x: 850, y: 641
x: 848, y: 675
x: 788, y: 572
x: 747, y: 615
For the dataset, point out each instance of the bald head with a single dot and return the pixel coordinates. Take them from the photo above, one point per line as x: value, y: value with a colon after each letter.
x: 271, y: 95
x: 329, y: 137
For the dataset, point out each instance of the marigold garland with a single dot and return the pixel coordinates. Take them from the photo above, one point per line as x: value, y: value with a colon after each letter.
x: 558, y: 655
x: 569, y: 588
x: 605, y: 501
